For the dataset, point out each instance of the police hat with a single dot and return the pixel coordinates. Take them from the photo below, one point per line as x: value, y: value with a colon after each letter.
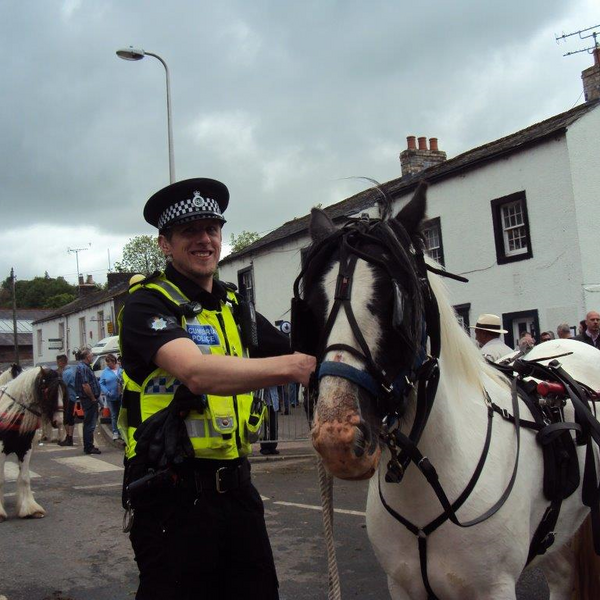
x: 187, y: 200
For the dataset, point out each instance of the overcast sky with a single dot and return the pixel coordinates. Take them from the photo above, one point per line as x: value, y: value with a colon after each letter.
x: 284, y: 101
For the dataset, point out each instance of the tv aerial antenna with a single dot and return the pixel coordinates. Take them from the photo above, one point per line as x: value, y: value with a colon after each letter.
x: 595, y: 34
x: 76, y: 251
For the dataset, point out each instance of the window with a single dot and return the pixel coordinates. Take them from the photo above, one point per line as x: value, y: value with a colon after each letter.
x: 462, y: 314
x: 82, y: 339
x: 511, y: 228
x: 246, y: 283
x: 61, y: 334
x: 432, y: 232
x: 39, y: 341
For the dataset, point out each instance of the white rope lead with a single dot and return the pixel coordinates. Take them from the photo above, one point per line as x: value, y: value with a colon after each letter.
x: 326, y: 489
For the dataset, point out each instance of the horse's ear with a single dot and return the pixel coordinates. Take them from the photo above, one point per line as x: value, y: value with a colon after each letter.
x: 413, y: 213
x: 320, y: 225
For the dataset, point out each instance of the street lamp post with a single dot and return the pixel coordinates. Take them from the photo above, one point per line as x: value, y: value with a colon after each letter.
x: 135, y: 54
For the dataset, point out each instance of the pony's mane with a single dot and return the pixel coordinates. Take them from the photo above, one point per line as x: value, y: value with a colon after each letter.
x: 25, y: 389
x: 458, y: 352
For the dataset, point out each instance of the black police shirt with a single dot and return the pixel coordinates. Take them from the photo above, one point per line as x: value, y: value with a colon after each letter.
x: 150, y: 321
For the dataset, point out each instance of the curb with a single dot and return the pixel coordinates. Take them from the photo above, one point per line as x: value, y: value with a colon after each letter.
x: 106, y: 434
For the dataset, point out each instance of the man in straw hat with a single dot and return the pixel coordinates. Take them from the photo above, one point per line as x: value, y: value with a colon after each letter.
x: 192, y: 351
x: 487, y: 334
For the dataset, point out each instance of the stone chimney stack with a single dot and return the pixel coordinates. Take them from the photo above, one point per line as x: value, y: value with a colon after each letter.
x: 591, y: 78
x: 88, y: 287
x: 413, y: 160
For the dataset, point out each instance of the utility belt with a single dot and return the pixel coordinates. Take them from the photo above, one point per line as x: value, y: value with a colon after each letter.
x: 196, y: 478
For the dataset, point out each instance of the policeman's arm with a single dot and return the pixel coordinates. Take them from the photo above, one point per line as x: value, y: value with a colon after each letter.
x: 224, y: 375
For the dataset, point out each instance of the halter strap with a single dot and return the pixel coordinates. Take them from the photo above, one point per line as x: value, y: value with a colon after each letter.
x: 27, y: 408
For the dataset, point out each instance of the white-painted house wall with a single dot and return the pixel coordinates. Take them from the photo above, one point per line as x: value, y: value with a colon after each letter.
x: 561, y: 179
x: 50, y: 330
x: 584, y: 155
x: 549, y: 281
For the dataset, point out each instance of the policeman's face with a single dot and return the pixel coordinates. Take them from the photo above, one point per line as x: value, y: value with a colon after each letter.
x: 195, y: 249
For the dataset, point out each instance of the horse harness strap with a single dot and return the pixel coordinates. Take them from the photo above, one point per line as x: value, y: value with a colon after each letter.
x: 27, y: 408
x: 450, y: 509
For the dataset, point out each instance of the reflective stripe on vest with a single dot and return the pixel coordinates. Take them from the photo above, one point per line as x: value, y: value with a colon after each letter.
x: 220, y: 432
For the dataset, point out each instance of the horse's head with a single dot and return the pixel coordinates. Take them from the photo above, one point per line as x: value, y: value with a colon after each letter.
x: 49, y: 393
x: 363, y: 299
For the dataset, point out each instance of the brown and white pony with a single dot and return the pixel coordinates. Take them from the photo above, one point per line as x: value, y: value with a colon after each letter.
x: 35, y: 394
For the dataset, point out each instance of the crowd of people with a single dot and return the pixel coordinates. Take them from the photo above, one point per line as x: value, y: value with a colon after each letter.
x: 489, y: 328
x: 91, y: 394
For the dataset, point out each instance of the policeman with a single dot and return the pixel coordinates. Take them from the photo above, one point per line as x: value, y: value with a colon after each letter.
x: 191, y: 351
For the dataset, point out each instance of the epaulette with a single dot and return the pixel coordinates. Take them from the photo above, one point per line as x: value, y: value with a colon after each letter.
x: 230, y: 287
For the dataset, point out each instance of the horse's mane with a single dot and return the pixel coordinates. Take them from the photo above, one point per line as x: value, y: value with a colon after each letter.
x: 458, y: 352
x: 23, y: 391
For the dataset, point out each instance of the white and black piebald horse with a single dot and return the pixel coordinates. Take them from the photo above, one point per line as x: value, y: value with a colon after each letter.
x: 34, y: 394
x: 395, y: 366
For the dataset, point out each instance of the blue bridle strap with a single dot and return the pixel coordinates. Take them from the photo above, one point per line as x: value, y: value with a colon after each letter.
x: 357, y: 376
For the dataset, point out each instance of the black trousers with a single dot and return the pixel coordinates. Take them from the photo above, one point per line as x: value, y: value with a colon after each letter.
x: 191, y: 546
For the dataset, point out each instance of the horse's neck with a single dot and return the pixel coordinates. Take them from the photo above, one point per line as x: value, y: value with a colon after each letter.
x: 457, y: 417
x: 441, y: 429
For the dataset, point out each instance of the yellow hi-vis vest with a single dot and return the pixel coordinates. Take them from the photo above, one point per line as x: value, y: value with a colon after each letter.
x: 227, y: 427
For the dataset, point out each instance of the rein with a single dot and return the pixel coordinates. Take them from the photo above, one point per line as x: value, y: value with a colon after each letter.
x: 27, y: 408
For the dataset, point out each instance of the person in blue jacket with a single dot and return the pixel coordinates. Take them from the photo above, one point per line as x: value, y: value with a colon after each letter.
x: 111, y: 386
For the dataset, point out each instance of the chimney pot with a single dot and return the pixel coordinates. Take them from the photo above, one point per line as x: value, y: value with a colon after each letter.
x: 89, y: 280
x: 433, y: 144
x: 81, y: 280
x: 411, y: 140
x: 422, y: 143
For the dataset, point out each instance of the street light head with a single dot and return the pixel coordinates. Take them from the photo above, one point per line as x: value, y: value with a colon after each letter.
x: 130, y: 53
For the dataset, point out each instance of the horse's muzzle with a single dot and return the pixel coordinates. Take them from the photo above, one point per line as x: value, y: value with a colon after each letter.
x: 346, y: 447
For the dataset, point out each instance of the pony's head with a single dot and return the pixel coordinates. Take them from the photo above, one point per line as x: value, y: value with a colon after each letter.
x: 49, y: 393
x: 34, y: 394
x: 364, y: 298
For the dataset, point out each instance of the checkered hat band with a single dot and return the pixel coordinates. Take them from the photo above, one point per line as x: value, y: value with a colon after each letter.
x: 195, y: 206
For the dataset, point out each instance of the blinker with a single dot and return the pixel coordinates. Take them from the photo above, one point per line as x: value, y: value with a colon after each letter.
x: 305, y: 330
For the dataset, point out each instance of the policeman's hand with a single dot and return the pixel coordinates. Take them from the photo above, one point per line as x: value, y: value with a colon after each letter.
x: 303, y: 366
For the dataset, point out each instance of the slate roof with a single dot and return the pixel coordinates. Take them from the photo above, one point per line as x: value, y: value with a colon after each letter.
x: 25, y: 316
x: 515, y: 142
x: 87, y: 301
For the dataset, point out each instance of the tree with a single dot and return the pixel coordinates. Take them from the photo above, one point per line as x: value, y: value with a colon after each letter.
x: 59, y: 300
x: 141, y: 254
x: 39, y: 292
x: 243, y: 240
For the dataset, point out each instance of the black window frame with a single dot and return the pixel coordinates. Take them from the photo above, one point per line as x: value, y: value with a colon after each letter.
x: 463, y: 311
x: 436, y: 222
x: 507, y: 323
x: 243, y: 290
x: 501, y: 256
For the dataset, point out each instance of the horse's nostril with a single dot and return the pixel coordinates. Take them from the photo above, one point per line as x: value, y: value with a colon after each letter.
x: 359, y: 443
x: 362, y: 438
